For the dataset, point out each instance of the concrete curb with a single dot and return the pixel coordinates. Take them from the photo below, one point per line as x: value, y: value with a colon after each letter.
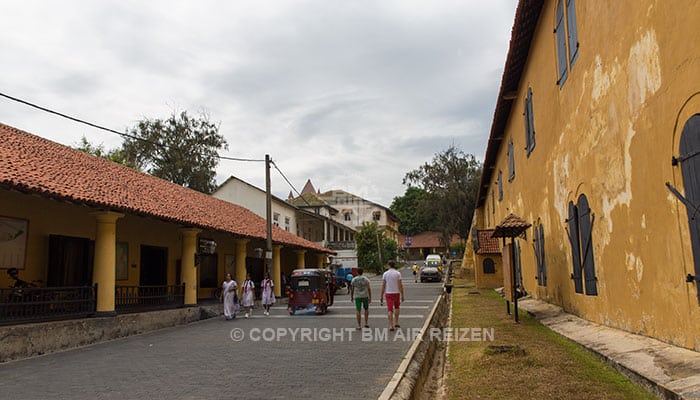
x: 668, y: 371
x: 407, y: 381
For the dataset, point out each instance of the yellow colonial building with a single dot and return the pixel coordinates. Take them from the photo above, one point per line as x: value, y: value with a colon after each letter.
x: 97, y: 238
x: 594, y: 141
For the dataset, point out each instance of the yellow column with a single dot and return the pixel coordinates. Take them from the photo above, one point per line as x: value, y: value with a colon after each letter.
x: 301, y: 262
x: 189, y: 273
x: 277, y: 270
x: 321, y: 260
x: 241, y: 254
x: 104, y: 269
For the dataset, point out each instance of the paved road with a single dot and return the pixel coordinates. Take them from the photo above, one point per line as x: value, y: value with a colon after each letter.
x: 202, y: 361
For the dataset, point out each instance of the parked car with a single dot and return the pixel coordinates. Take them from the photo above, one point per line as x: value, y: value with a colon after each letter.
x: 432, y: 274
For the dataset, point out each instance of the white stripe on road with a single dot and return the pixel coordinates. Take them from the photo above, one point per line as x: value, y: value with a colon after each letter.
x: 340, y: 316
x: 372, y: 307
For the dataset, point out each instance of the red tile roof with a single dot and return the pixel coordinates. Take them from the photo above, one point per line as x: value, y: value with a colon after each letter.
x: 511, y: 226
x: 427, y: 239
x: 33, y: 165
x: 526, y: 16
x: 488, y: 244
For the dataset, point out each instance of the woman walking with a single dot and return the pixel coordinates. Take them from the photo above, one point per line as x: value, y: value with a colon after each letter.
x: 248, y: 295
x: 268, y: 298
x: 230, y: 297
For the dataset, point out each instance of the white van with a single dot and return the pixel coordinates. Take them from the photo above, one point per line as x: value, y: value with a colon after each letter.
x: 433, y: 260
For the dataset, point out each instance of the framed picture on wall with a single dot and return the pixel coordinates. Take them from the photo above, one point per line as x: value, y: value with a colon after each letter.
x: 122, y: 263
x: 13, y: 242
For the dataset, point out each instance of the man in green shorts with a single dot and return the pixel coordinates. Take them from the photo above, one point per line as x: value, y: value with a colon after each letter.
x: 361, y: 294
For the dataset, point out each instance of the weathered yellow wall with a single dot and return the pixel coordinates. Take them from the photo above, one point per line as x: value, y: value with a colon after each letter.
x: 610, y: 133
x: 491, y: 281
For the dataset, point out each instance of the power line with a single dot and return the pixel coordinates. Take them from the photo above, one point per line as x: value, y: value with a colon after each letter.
x: 25, y: 102
x: 70, y: 118
x: 289, y: 183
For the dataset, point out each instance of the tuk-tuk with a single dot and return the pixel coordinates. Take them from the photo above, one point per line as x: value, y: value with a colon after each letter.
x: 310, y: 289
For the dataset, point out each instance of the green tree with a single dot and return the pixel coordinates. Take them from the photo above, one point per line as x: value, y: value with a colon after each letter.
x: 370, y: 240
x: 410, y: 210
x: 451, y: 182
x: 181, y: 149
x: 116, y: 155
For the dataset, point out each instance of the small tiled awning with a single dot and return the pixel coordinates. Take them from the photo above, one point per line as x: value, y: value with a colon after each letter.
x: 512, y: 226
x: 487, y: 244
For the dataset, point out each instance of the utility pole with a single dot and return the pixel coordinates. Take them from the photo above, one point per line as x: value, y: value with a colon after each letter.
x: 268, y: 204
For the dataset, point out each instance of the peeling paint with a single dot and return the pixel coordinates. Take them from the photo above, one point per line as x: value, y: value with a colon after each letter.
x: 644, y: 76
x: 561, y: 175
x: 624, y: 195
x: 603, y: 80
x: 634, y: 264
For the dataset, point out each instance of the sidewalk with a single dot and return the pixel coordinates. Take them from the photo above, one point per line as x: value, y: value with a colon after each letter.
x: 671, y: 372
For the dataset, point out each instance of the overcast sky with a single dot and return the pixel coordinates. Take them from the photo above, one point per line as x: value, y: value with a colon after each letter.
x: 350, y: 94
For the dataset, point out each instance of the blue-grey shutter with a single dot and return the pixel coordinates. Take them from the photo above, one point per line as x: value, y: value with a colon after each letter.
x: 518, y: 265
x: 529, y: 123
x: 511, y: 162
x: 690, y: 167
x: 573, y: 31
x: 500, y: 186
x: 561, y: 44
x: 536, y: 242
x: 542, y: 258
x: 585, y: 226
x: 575, y: 247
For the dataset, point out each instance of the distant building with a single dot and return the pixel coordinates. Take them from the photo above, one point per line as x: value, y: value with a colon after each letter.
x: 354, y: 211
x: 418, y: 246
x: 345, y: 215
x: 237, y: 191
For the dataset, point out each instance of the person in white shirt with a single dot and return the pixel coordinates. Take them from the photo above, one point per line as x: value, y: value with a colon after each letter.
x: 392, y: 286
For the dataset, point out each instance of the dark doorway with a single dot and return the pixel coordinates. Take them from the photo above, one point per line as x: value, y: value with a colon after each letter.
x: 255, y: 267
x: 70, y: 261
x: 208, y: 271
x: 154, y: 266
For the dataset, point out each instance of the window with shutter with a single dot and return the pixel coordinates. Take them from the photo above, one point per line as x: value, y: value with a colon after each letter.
x: 539, y: 255
x: 573, y: 31
x: 585, y: 222
x: 690, y: 167
x: 518, y: 265
x: 572, y: 221
x: 560, y: 31
x: 511, y: 162
x: 542, y: 257
x: 529, y: 123
x: 566, y: 33
x: 500, y: 186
